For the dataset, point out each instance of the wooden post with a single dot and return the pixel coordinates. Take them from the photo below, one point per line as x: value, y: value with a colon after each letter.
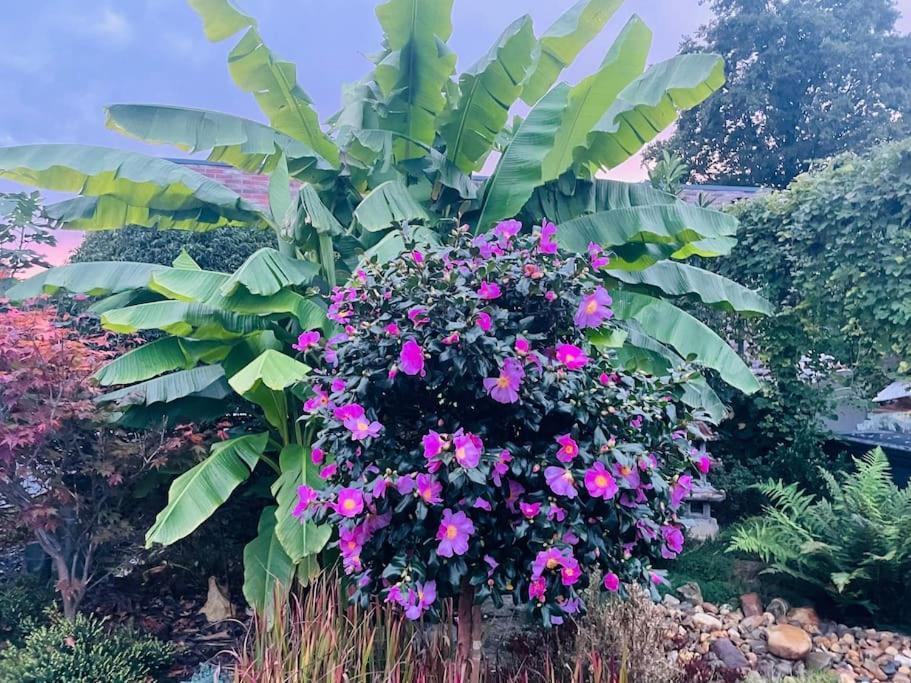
x: 469, y: 636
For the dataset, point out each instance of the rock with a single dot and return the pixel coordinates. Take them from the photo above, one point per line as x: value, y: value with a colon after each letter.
x: 218, y: 606
x: 671, y: 601
x: 710, y: 608
x: 752, y: 622
x: 729, y: 654
x: 707, y: 622
x: 789, y: 642
x: 778, y: 607
x: 819, y: 661
x: 805, y: 617
x: 845, y: 677
x: 758, y: 646
x: 691, y: 592
x: 751, y: 604
x: 903, y: 660
x: 900, y: 678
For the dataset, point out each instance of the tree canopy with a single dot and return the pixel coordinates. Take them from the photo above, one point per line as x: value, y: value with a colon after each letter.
x: 807, y: 79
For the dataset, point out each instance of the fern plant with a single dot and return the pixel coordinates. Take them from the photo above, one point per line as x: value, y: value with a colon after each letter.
x: 853, y: 544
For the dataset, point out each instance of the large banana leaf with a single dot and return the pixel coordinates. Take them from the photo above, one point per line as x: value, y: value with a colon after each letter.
x: 691, y: 338
x: 564, y: 40
x: 673, y: 224
x: 94, y: 279
x: 240, y: 142
x: 568, y: 198
x: 312, y: 214
x: 590, y: 99
x: 386, y: 206
x: 647, y: 106
x: 413, y: 71
x: 393, y: 243
x: 518, y: 172
x: 267, y: 272
x: 128, y: 186
x: 197, y: 493
x: 264, y: 380
x: 158, y: 357
x: 488, y: 90
x: 220, y: 19
x: 268, y: 571
x: 680, y: 279
x: 299, y: 539
x: 182, y: 319
x: 205, y: 381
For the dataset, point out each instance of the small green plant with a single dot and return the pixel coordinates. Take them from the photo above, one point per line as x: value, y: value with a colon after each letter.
x: 852, y: 545
x: 709, y: 565
x: 83, y: 651
x: 23, y: 601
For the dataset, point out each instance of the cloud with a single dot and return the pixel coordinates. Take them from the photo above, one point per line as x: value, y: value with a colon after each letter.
x: 113, y: 26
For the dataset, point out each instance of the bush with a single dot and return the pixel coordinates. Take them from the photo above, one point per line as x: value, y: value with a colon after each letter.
x: 223, y: 250
x: 852, y: 547
x: 709, y: 565
x: 481, y: 444
x: 83, y: 651
x: 23, y: 602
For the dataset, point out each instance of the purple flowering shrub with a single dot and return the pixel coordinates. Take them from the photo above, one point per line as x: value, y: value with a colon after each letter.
x: 472, y: 437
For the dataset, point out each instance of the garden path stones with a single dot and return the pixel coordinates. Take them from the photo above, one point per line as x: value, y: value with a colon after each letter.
x: 789, y: 642
x: 751, y: 605
x: 729, y: 654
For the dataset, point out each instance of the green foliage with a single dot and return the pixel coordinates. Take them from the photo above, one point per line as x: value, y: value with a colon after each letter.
x: 809, y: 79
x: 23, y: 601
x: 23, y: 225
x: 391, y: 169
x: 709, y: 565
x: 852, y: 545
x: 81, y: 651
x: 221, y: 250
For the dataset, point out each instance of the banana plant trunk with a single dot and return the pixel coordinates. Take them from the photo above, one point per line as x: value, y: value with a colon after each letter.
x: 469, y: 635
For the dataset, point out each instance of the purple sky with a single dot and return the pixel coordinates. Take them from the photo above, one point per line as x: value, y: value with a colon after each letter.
x: 63, y: 60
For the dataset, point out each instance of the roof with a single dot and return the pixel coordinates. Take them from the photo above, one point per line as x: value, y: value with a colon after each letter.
x: 893, y: 392
x: 899, y: 441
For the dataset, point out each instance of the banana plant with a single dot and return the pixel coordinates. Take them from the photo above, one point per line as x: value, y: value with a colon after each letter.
x: 400, y: 164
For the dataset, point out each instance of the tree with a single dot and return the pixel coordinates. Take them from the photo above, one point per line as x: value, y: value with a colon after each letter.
x: 809, y: 79
x: 392, y: 171
x: 23, y: 225
x: 64, y: 471
x: 479, y: 437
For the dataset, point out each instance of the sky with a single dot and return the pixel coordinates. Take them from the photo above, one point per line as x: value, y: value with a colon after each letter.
x: 64, y: 60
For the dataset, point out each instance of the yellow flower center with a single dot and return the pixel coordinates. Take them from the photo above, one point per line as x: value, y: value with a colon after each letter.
x: 569, y: 571
x: 362, y: 426
x: 591, y: 306
x: 570, y: 358
x: 600, y: 480
x: 451, y: 531
x: 568, y: 475
x: 625, y: 470
x: 503, y: 382
x: 460, y: 453
x: 348, y: 504
x: 552, y: 563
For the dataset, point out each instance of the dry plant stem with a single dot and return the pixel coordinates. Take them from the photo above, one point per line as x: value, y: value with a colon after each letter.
x: 470, y: 637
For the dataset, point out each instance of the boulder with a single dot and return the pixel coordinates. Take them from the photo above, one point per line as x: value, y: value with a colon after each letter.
x: 778, y: 607
x: 707, y: 622
x: 751, y: 604
x: 691, y: 592
x: 729, y: 654
x: 805, y: 617
x: 789, y: 642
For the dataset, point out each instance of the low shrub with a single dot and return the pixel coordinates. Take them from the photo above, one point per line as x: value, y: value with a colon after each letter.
x: 83, y: 651
x: 712, y: 567
x: 851, y: 546
x: 23, y: 602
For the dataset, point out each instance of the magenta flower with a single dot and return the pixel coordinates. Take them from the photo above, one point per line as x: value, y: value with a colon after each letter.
x: 505, y: 388
x: 600, y: 483
x: 549, y: 560
x: 328, y: 471
x: 593, y: 309
x: 307, y: 340
x: 492, y: 563
x: 636, y: 422
x: 320, y: 399
x: 598, y: 258
x: 546, y: 244
x: 484, y: 321
x: 501, y: 467
x: 680, y: 489
x: 411, y: 358
x: 453, y: 534
x: 531, y: 271
x: 420, y: 599
x: 560, y: 481
x: 704, y: 463
x: 530, y: 510
x: 673, y: 541
x: 612, y: 582
x: 350, y: 502
x: 571, y: 356
x: 452, y: 338
x: 468, y: 449
x: 317, y: 455
x: 417, y: 316
x: 433, y: 444
x: 405, y: 484
x: 515, y: 490
x: 569, y: 449
x: 351, y: 541
x: 550, y: 295
x: 522, y: 346
x: 489, y: 291
x: 417, y: 257
x: 570, y: 572
x: 305, y: 497
x: 608, y: 379
x: 361, y: 428
x: 482, y: 504
x: 348, y: 411
x: 337, y: 385
x: 506, y: 230
x: 392, y: 330
x: 628, y: 473
x: 429, y: 489
x: 537, y: 589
